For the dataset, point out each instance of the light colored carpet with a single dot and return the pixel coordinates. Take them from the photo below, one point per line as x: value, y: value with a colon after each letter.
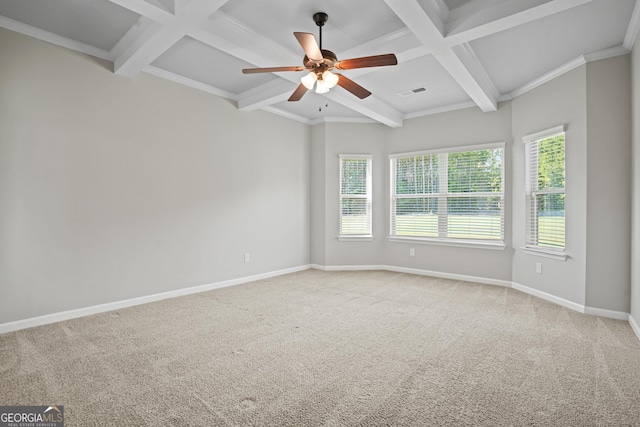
x: 332, y: 348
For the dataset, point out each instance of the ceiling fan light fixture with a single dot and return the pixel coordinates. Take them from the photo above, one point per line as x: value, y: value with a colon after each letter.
x: 322, y: 86
x: 330, y: 79
x: 309, y: 80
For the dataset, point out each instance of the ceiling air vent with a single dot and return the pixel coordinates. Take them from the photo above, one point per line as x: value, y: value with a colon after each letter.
x: 412, y: 91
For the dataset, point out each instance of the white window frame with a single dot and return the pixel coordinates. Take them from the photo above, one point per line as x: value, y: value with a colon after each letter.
x: 442, y: 239
x: 531, y: 173
x: 368, y: 196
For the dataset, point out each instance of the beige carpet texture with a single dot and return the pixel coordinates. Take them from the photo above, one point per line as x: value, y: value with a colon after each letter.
x: 315, y: 348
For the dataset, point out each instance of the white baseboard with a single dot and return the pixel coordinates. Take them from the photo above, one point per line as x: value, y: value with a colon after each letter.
x: 634, y: 326
x: 86, y: 311
x: 610, y: 314
x: 548, y: 297
x: 346, y: 267
x: 72, y: 314
x: 441, y: 275
x: 416, y: 271
x: 593, y: 311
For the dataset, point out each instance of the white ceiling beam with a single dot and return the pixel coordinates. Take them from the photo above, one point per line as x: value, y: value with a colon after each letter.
x: 472, y: 63
x: 159, y: 37
x: 136, y: 31
x: 370, y: 107
x: 438, y: 13
x: 481, y: 18
x: 420, y: 23
x: 251, y: 47
x: 266, y: 94
x: 152, y: 43
x: 144, y: 8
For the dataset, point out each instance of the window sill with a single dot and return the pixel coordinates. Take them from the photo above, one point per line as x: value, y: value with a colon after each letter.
x: 498, y: 246
x: 557, y: 255
x: 355, y: 238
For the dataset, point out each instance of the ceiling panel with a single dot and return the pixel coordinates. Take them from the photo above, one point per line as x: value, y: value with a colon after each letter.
x: 249, y: 33
x: 350, y: 22
x: 99, y: 23
x: 388, y: 82
x: 452, y: 4
x: 519, y: 55
x: 198, y: 61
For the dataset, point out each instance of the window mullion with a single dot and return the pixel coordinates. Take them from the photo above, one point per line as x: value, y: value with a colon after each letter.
x: 443, y: 177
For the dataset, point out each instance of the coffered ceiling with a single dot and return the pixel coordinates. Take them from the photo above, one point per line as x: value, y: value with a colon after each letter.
x: 451, y: 53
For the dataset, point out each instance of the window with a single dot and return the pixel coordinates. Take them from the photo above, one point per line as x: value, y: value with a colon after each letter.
x: 545, y: 193
x: 355, y: 195
x: 454, y: 196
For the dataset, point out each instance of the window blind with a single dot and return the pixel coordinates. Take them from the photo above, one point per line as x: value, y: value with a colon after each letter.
x: 450, y: 195
x: 355, y: 195
x: 546, y: 191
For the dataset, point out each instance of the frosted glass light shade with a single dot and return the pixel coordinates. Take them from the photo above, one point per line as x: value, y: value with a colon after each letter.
x: 322, y: 87
x: 309, y: 80
x: 330, y: 79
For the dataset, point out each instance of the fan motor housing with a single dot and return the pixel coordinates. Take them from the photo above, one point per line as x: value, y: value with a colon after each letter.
x: 328, y: 59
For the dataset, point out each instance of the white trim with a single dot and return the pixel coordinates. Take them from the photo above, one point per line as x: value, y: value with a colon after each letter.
x: 610, y: 314
x: 337, y: 119
x: 286, y: 114
x: 37, y: 33
x: 355, y: 238
x: 102, y: 308
x: 498, y: 246
x: 634, y: 326
x: 548, y: 297
x: 560, y: 256
x: 451, y: 276
x: 438, y: 110
x: 186, y: 81
x: 593, y: 311
x: 347, y: 267
x: 632, y: 30
x: 551, y: 75
x: 116, y: 305
x: 458, y: 149
x: 611, y: 52
x: 544, y: 134
x: 355, y: 156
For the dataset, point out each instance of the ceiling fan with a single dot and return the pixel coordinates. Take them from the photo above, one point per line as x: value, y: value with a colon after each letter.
x: 320, y: 62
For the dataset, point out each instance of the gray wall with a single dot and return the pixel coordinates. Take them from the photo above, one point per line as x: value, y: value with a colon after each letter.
x: 560, y: 101
x: 442, y: 131
x: 608, y: 184
x: 349, y: 138
x: 317, y: 197
x: 635, y: 261
x: 113, y: 188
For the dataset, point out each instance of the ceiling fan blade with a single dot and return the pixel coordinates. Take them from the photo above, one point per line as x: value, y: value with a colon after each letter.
x: 271, y: 69
x: 298, y: 93
x: 367, y: 61
x: 310, y: 46
x: 352, y: 86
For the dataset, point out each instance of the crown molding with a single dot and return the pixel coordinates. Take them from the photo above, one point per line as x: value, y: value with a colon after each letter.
x: 52, y: 38
x: 633, y: 29
x: 168, y: 75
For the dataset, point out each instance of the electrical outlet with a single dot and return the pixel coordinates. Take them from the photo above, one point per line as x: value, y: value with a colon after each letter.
x: 247, y: 257
x: 412, y: 252
x: 538, y: 267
